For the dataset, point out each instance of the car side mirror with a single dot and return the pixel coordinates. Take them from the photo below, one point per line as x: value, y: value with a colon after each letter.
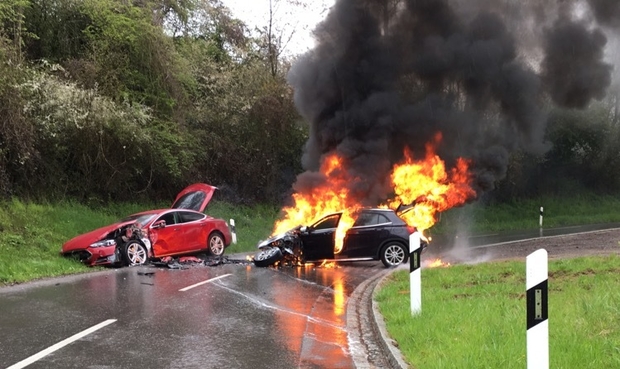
x: 159, y: 224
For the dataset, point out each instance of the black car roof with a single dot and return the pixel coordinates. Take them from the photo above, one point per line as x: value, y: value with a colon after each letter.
x: 389, y: 213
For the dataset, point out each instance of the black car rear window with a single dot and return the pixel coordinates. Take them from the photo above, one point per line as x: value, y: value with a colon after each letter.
x: 366, y: 219
x: 370, y: 218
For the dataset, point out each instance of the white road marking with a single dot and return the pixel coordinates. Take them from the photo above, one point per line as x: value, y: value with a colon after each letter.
x: 60, y: 345
x: 203, y: 282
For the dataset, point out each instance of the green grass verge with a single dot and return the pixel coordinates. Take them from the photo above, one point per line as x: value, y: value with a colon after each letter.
x: 585, y: 208
x: 473, y: 316
x: 251, y: 223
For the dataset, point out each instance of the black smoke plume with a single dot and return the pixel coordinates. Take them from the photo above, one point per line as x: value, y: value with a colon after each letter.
x: 389, y: 74
x: 607, y: 12
x: 573, y: 69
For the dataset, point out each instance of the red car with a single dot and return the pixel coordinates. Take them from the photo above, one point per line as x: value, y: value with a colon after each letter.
x: 182, y: 229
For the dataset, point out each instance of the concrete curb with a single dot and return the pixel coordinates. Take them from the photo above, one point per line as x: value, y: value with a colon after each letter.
x: 359, y: 328
x: 369, y: 343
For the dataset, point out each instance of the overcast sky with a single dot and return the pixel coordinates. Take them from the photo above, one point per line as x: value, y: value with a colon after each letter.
x: 298, y: 21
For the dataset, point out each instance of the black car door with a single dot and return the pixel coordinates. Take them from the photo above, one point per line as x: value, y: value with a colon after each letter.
x: 364, y: 238
x: 318, y: 240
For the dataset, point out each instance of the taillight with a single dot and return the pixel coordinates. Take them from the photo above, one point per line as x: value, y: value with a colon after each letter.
x: 411, y: 229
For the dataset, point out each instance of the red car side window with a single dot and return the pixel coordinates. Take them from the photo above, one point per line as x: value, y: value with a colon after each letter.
x: 188, y: 216
x: 169, y: 218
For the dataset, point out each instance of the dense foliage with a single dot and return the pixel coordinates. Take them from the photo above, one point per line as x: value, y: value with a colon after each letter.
x: 112, y: 100
x: 108, y: 99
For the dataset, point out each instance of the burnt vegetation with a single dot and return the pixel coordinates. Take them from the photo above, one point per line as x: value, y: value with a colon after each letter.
x: 109, y: 100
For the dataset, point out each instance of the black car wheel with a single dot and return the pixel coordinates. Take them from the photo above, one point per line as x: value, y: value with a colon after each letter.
x: 267, y: 257
x: 135, y: 253
x: 216, y: 244
x: 393, y: 254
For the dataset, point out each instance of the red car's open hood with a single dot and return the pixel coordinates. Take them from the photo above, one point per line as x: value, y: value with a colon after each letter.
x: 195, y: 197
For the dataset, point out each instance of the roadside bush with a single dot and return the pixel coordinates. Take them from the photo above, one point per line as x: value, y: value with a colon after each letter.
x: 89, y: 145
x: 17, y: 135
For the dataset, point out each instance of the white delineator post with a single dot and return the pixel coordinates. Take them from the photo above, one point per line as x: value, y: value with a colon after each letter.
x: 233, y: 231
x: 415, y: 277
x: 537, y: 310
x: 541, y: 217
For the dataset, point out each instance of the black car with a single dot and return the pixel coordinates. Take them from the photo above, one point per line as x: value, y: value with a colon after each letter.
x: 377, y: 234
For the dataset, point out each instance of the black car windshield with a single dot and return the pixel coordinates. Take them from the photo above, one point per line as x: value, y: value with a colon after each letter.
x: 140, y: 219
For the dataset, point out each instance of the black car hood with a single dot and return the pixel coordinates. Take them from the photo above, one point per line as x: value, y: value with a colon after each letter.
x: 290, y: 233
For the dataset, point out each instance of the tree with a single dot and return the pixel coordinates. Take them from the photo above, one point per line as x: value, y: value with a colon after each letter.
x: 12, y: 27
x: 283, y: 24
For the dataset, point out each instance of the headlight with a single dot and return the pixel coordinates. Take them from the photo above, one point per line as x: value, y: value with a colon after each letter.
x: 103, y: 243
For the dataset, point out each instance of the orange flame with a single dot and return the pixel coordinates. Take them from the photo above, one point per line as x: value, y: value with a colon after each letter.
x: 331, y: 197
x: 328, y: 265
x: 425, y: 184
x: 436, y: 263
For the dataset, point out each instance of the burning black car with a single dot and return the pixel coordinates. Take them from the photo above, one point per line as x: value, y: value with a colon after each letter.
x: 376, y: 234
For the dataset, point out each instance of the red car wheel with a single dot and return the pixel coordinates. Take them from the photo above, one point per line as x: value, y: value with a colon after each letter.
x: 216, y: 244
x: 135, y: 253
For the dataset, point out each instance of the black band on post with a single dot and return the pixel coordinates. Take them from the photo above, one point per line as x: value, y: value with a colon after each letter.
x: 414, y: 260
x: 537, y: 304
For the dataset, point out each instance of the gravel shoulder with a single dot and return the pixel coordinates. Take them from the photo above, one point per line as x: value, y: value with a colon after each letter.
x: 601, y: 242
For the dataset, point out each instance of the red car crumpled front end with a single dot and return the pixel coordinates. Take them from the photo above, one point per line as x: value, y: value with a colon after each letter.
x: 97, y: 256
x: 93, y: 248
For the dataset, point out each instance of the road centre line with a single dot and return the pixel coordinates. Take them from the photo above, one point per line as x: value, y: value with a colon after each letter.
x: 203, y: 282
x: 60, y: 345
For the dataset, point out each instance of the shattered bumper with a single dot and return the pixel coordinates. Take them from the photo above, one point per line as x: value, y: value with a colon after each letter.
x: 91, y: 256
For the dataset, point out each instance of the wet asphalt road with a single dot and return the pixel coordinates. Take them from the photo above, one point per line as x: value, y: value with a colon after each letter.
x: 247, y: 318
x: 228, y: 316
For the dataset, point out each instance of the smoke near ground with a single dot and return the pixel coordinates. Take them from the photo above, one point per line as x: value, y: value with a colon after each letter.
x: 386, y: 75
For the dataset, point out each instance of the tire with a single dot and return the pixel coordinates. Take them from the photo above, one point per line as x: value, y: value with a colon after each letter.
x: 216, y: 244
x: 393, y: 254
x: 423, y: 246
x: 267, y: 257
x: 135, y: 253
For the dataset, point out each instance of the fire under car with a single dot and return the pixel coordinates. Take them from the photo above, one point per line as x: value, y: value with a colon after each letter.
x: 376, y: 234
x: 181, y: 230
